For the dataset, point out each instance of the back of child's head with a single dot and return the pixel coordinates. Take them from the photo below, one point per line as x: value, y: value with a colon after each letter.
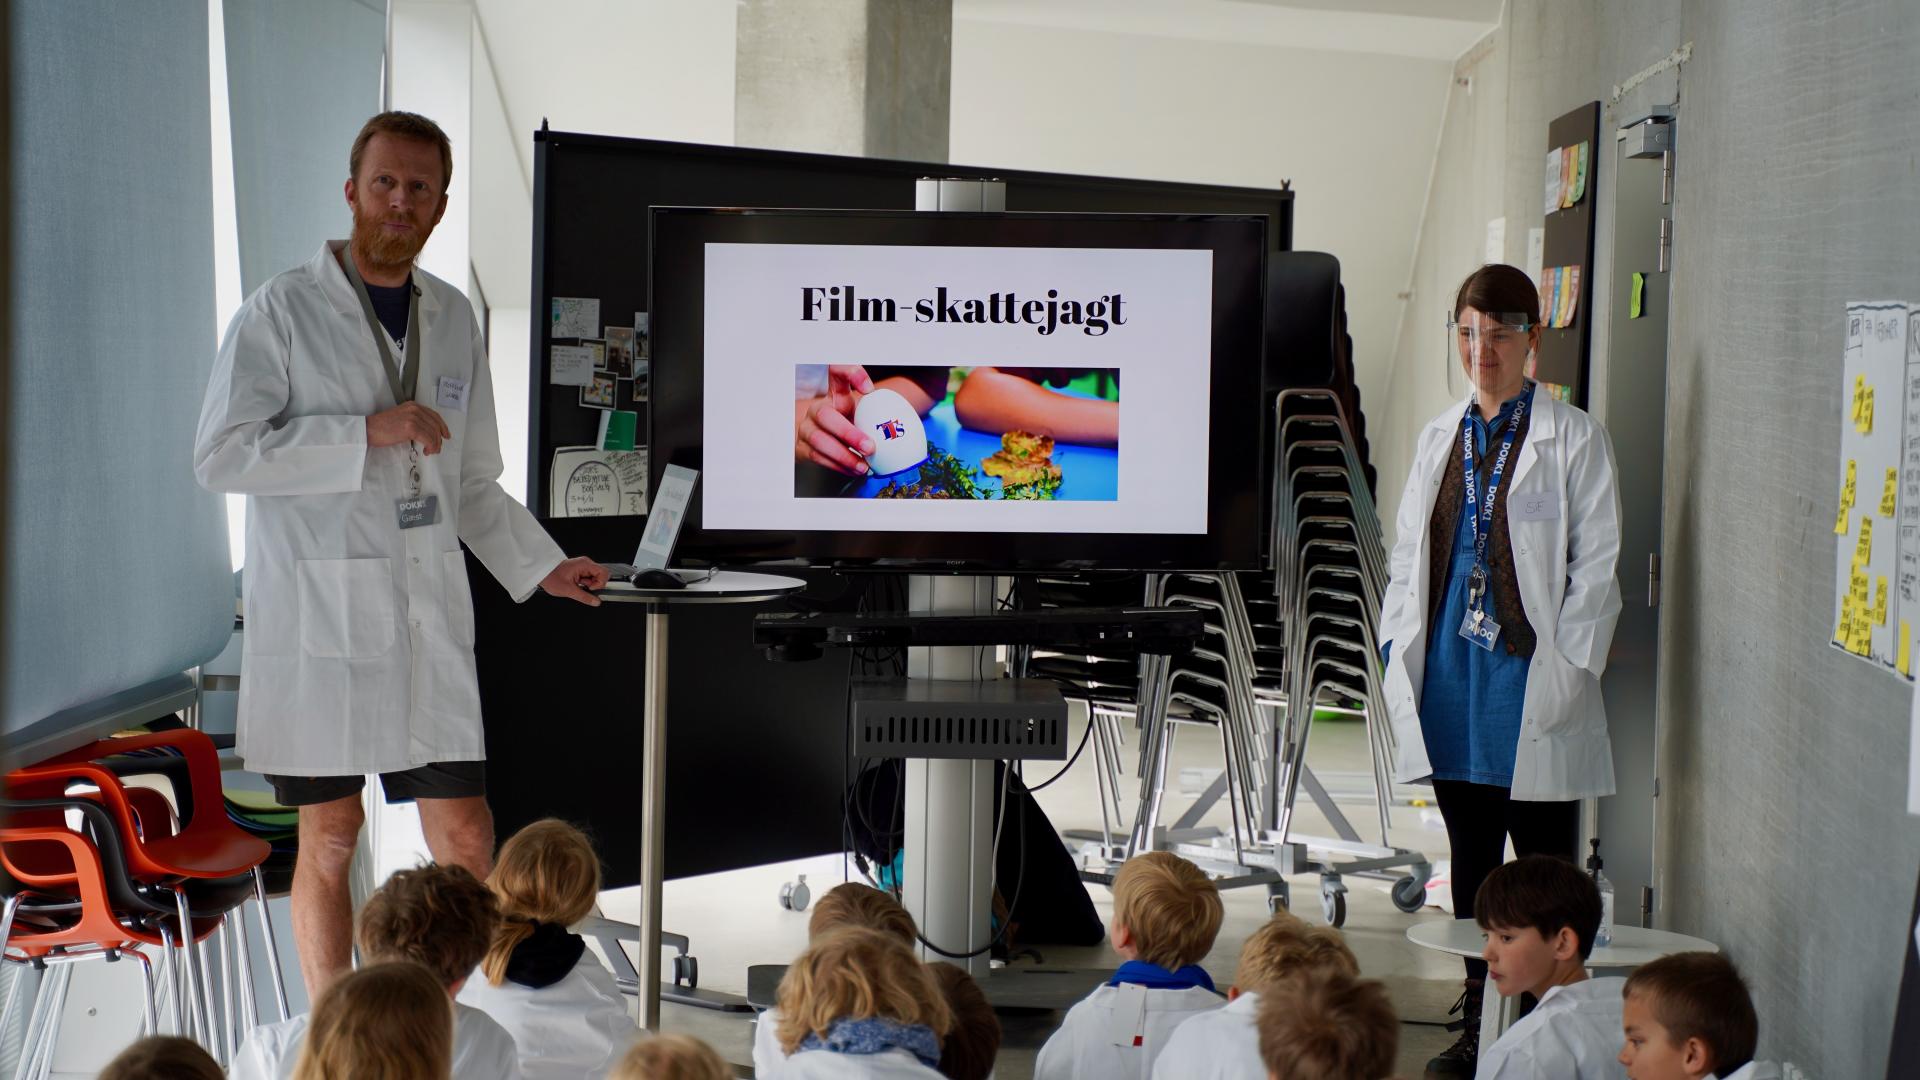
x: 545, y: 873
x: 163, y: 1057
x: 670, y: 1057
x: 439, y: 917
x: 969, y: 1050
x: 1698, y: 995
x: 1170, y: 907
x: 1327, y: 1025
x: 855, y: 974
x: 1543, y: 892
x: 1285, y: 944
x: 852, y: 904
x: 388, y: 1021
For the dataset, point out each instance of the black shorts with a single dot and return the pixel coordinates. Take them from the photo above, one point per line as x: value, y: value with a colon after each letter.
x: 445, y: 780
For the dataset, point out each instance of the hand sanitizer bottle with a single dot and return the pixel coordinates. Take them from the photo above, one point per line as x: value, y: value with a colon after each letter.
x: 1605, y: 935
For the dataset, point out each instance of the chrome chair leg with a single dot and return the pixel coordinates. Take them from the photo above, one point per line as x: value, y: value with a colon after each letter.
x: 249, y: 1005
x: 273, y: 949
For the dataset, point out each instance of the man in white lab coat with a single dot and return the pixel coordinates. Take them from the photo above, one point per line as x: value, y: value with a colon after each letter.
x: 351, y: 401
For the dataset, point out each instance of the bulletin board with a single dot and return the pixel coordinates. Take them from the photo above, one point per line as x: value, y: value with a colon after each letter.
x: 1877, y: 517
x: 1566, y: 267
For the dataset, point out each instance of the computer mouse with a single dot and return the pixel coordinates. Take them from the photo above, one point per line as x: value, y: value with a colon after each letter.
x: 657, y: 579
x: 899, y: 437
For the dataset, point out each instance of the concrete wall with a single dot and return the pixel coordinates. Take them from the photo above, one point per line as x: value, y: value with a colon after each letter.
x: 1782, y: 836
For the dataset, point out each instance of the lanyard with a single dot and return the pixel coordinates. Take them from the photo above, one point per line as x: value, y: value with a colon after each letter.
x: 1481, y: 517
x: 403, y: 383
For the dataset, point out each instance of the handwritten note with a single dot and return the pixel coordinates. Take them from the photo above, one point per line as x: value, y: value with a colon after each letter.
x: 570, y: 365
x: 590, y: 482
x: 575, y: 317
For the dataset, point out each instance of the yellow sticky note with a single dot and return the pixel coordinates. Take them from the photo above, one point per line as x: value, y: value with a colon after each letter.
x: 1848, y: 489
x: 1889, y: 492
x: 1840, y: 523
x: 1904, y: 658
x: 1880, y: 601
x: 1859, y: 396
x: 1863, y: 548
x: 1866, y: 413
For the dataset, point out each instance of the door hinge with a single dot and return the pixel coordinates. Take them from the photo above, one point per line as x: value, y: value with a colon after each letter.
x: 1653, y: 580
x: 1656, y: 787
x: 1666, y: 244
x: 1646, y: 905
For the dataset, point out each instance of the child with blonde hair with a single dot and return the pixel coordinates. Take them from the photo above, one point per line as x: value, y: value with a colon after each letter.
x: 858, y: 1003
x: 1225, y: 1044
x: 563, y: 1009
x: 671, y: 1057
x: 849, y: 904
x: 439, y: 917
x: 1166, y: 913
x: 387, y: 1021
x: 1327, y: 1025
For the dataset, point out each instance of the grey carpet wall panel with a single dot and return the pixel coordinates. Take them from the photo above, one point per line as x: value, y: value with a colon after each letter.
x: 116, y: 561
x: 301, y: 79
x: 1786, y: 839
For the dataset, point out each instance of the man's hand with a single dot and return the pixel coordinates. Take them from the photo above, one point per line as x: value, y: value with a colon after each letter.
x: 573, y: 577
x: 410, y: 422
x: 823, y: 430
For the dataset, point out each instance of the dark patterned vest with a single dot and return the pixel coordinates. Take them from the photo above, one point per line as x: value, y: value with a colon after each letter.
x: 1516, y: 633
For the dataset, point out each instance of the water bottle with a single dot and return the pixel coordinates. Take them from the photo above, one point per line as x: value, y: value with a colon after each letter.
x: 1604, y: 936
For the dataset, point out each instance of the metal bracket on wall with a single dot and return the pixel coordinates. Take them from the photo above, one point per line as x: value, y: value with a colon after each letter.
x: 1653, y: 578
x: 1666, y: 243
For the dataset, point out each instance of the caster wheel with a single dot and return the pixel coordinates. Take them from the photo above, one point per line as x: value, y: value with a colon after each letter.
x: 795, y: 895
x: 686, y: 972
x: 1409, y: 894
x: 1334, y: 906
x: 1278, y: 898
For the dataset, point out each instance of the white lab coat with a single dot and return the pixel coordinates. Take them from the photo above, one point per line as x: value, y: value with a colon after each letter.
x: 359, y: 644
x: 1565, y: 568
x: 482, y: 1049
x: 1221, y: 1044
x: 578, y: 1027
x: 1575, y: 1033
x: 1116, y: 1032
x: 767, y: 1054
x: 1756, y: 1070
x: 827, y: 1065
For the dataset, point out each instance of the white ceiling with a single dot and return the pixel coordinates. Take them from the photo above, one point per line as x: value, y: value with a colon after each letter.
x: 1429, y: 29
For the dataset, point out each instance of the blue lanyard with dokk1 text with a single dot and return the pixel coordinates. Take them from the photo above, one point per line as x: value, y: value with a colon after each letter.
x: 413, y: 509
x: 1477, y: 627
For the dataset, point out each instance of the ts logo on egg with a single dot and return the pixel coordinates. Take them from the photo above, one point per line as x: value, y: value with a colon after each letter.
x: 890, y: 429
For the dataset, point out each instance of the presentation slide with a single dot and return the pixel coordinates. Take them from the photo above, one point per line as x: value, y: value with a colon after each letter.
x: 956, y: 389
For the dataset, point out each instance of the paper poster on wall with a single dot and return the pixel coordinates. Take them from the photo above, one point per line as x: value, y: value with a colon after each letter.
x: 1577, y: 171
x: 570, y: 365
x: 590, y: 482
x: 1556, y: 176
x: 1559, y: 296
x: 1872, y: 548
x: 1905, y: 508
x: 575, y: 317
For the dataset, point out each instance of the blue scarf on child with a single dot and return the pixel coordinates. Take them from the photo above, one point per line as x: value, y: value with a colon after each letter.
x: 1155, y: 977
x: 877, y: 1035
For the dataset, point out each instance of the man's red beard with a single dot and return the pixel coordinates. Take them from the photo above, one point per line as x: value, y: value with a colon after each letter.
x: 382, y: 248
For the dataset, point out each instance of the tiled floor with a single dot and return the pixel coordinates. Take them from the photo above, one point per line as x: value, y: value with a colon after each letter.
x: 734, y: 919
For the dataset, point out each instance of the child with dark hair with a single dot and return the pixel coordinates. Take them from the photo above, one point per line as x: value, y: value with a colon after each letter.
x: 1688, y: 1016
x: 969, y: 1050
x: 1541, y: 914
x: 163, y: 1057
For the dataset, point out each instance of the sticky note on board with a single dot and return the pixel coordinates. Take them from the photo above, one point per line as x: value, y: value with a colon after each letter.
x: 617, y: 430
x: 1880, y: 601
x: 1636, y: 303
x: 1859, y: 397
x: 1840, y: 523
x: 1903, y: 659
x: 1864, y: 424
x: 575, y: 317
x: 1890, y: 492
x: 570, y: 365
x: 1863, y: 547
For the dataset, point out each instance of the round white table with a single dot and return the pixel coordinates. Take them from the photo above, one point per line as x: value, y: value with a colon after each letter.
x: 1631, y: 947
x: 724, y: 587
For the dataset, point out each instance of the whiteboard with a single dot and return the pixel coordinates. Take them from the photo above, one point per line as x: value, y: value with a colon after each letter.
x: 1871, y: 545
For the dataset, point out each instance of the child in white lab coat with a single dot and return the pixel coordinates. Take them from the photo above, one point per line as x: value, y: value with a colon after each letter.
x: 438, y: 917
x: 1224, y: 1044
x: 1688, y: 1017
x: 1166, y: 913
x: 1326, y: 1024
x: 849, y: 904
x: 385, y: 1020
x: 859, y: 1004
x: 671, y: 1057
x: 1540, y: 914
x: 538, y: 980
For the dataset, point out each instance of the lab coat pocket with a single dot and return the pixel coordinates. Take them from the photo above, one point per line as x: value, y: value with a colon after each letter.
x: 456, y: 598
x: 346, y: 608
x: 1559, y: 702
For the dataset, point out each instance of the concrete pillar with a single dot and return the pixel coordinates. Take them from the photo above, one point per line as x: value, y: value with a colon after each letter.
x: 860, y: 77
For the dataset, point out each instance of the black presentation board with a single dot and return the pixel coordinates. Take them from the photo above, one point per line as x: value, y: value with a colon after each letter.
x: 754, y: 748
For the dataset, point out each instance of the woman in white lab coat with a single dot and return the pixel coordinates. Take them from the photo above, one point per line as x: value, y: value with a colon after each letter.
x: 539, y: 981
x: 1501, y: 609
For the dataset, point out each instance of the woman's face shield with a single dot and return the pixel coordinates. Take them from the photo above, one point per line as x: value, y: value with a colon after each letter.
x: 1491, y: 349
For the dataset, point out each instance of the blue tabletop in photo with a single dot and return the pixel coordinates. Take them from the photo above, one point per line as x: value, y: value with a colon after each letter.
x: 1086, y: 472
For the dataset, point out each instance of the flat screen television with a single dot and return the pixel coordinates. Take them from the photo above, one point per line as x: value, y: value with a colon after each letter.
x: 981, y: 393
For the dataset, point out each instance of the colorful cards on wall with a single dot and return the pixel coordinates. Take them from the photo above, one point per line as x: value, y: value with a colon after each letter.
x: 1566, y: 176
x: 1559, y: 296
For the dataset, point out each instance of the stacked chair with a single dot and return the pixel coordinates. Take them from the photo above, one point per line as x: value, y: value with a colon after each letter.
x: 123, y: 849
x: 1281, y: 644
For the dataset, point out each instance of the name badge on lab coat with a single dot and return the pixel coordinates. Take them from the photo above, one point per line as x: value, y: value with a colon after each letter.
x: 1533, y: 506
x: 453, y: 393
x: 414, y: 513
